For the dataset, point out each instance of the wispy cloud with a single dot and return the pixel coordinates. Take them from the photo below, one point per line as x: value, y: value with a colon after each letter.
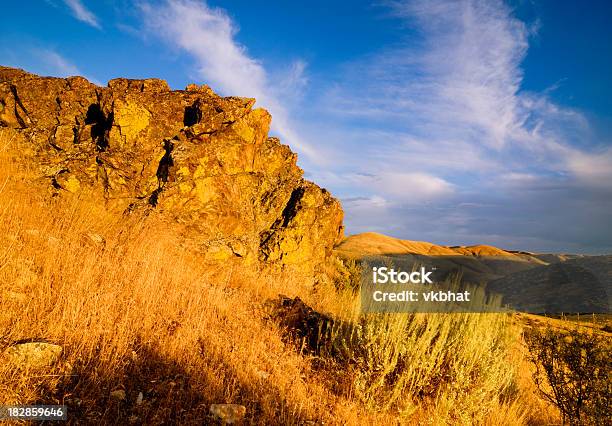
x: 50, y: 62
x: 594, y: 169
x: 42, y: 60
x: 457, y: 90
x: 56, y: 63
x: 208, y: 35
x: 448, y: 104
x: 80, y: 12
x: 405, y: 187
x: 470, y: 66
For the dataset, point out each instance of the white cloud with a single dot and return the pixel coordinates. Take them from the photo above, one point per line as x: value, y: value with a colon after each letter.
x: 407, y: 187
x: 42, y: 60
x: 83, y: 14
x: 393, y: 187
x: 474, y: 50
x: 208, y: 35
x: 461, y: 81
x: 294, y: 81
x: 367, y: 203
x: 450, y: 100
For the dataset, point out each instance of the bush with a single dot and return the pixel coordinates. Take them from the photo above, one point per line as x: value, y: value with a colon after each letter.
x: 345, y: 273
x: 400, y: 361
x: 572, y: 370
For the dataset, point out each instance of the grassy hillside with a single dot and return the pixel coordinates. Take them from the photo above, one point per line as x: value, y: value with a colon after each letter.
x: 152, y: 334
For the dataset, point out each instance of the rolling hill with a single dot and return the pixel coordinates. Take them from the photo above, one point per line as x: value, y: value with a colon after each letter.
x: 532, y: 282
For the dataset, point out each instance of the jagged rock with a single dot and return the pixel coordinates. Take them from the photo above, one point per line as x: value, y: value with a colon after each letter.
x: 204, y: 159
x: 33, y: 355
x: 228, y: 413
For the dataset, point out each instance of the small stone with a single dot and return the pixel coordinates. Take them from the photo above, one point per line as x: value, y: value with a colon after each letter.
x: 33, y: 354
x: 53, y: 242
x: 118, y: 395
x: 15, y: 296
x: 264, y: 375
x: 228, y: 413
x: 95, y: 239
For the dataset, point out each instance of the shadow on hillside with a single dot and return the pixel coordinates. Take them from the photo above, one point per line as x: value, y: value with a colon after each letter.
x: 576, y: 285
x: 474, y: 270
x: 170, y: 395
x: 167, y: 393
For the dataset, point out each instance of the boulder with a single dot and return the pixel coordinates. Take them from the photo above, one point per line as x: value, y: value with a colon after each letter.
x: 205, y: 160
x: 33, y: 355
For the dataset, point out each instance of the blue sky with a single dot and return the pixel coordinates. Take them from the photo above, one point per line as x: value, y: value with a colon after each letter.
x: 456, y: 122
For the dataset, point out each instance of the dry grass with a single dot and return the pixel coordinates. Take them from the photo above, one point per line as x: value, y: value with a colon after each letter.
x: 142, y: 313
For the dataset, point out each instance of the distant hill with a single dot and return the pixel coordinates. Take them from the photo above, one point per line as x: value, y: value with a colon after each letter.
x: 477, y: 264
x: 582, y: 284
x: 373, y: 243
x: 534, y: 282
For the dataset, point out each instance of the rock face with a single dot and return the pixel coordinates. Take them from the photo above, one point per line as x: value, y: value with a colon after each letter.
x: 205, y: 159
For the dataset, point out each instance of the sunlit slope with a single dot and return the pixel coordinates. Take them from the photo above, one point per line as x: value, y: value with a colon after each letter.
x: 477, y: 264
x: 372, y: 243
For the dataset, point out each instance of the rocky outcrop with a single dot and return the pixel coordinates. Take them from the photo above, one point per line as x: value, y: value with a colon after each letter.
x: 204, y: 159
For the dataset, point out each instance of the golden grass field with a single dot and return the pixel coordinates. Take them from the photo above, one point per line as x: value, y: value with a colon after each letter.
x: 141, y: 313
